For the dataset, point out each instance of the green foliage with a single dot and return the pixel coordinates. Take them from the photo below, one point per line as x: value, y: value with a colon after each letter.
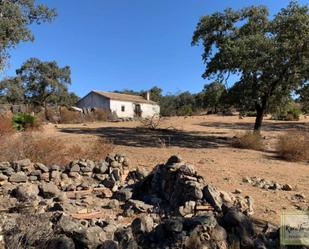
x: 16, y: 17
x: 304, y: 98
x: 21, y: 121
x: 212, y: 96
x: 290, y: 112
x: 185, y: 110
x: 12, y: 91
x: 43, y: 80
x: 271, y: 55
x: 250, y: 114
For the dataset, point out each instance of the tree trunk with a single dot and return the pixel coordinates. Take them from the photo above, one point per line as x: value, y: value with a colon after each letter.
x: 260, y: 110
x: 258, y: 120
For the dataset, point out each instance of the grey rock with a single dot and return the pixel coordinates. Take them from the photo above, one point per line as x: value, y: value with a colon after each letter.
x: 174, y: 159
x: 55, y: 175
x: 18, y: 177
x: 44, y: 177
x: 3, y: 177
x: 138, y: 206
x: 213, y: 197
x: 49, y: 190
x: 25, y: 192
x: 123, y: 194
x: 42, y: 167
x: 55, y: 167
x: 75, y: 168
x: 23, y: 163
x: 101, y: 168
x: 74, y: 175
x: 109, y: 244
x: 4, y: 166
x: 116, y: 174
x: 143, y: 224
x: 35, y: 172
x: 33, y: 178
x: 69, y: 226
x: 61, y: 242
x: 287, y: 187
x: 188, y: 208
x: 174, y: 225
x: 109, y: 182
x: 91, y: 238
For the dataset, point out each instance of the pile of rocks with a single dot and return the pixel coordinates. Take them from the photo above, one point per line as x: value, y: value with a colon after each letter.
x: 266, y: 184
x: 100, y: 205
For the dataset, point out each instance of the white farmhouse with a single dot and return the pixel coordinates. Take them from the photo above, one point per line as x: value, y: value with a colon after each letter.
x: 123, y: 105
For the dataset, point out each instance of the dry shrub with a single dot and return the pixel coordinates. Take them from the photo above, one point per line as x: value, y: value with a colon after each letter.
x: 37, y: 125
x: 49, y: 150
x: 101, y: 114
x: 70, y: 117
x: 152, y: 123
x: 29, y: 231
x: 96, y: 150
x: 294, y: 146
x: 6, y: 125
x: 249, y: 140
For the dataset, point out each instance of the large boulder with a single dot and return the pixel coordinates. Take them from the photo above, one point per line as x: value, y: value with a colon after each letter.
x: 49, y: 190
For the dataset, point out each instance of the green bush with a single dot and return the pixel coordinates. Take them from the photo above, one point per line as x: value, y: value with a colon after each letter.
x: 22, y: 121
x: 250, y: 114
x: 185, y: 110
x: 292, y: 113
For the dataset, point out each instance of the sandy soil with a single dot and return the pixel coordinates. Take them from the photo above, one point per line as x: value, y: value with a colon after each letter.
x: 204, y: 141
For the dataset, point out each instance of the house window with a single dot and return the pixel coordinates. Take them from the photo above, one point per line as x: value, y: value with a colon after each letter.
x: 123, y: 108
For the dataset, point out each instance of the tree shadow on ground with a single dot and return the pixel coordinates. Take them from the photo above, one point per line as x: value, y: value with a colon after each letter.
x: 267, y: 126
x: 142, y: 137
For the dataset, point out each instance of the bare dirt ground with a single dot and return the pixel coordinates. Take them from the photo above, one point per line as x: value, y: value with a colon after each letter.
x: 204, y: 141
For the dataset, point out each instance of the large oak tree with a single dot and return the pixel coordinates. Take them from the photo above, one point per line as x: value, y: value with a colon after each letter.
x: 43, y: 80
x: 271, y: 55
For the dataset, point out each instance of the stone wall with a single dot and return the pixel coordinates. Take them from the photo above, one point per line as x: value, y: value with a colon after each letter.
x: 88, y: 204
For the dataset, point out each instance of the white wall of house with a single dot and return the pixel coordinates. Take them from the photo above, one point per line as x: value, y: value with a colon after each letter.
x: 94, y: 100
x: 149, y: 110
x: 123, y: 109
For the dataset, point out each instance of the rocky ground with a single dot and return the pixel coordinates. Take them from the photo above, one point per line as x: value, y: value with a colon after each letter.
x: 90, y: 204
x: 204, y: 141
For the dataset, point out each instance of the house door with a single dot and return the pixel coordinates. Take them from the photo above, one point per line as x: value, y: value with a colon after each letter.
x: 138, y: 110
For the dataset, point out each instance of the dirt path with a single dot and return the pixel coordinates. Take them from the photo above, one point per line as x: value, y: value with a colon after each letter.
x: 204, y: 141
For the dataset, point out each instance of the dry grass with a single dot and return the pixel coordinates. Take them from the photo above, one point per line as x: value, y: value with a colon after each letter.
x: 294, y: 146
x: 49, y: 150
x: 6, y: 125
x: 30, y: 231
x: 70, y: 117
x: 101, y: 114
x: 249, y: 140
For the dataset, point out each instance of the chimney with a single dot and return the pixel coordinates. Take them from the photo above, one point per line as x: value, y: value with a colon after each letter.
x: 148, y: 96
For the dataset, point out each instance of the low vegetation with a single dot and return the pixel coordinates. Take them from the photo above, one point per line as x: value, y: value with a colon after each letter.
x: 6, y: 125
x: 294, y: 146
x: 24, y: 121
x: 249, y: 140
x: 49, y: 150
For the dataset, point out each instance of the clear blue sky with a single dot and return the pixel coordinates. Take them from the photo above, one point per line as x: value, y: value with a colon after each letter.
x: 133, y: 44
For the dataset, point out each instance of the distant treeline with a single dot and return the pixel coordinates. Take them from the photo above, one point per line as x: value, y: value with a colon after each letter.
x: 217, y: 98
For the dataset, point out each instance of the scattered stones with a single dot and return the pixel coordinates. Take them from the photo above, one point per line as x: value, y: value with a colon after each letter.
x: 265, y: 184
